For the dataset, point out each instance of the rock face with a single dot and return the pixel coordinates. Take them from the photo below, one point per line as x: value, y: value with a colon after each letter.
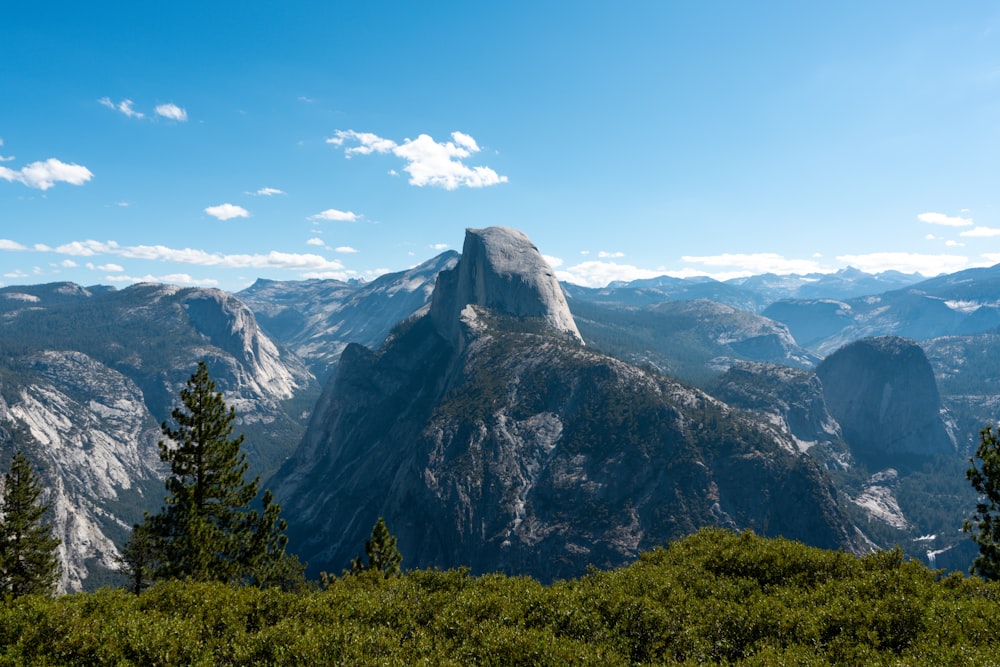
x: 86, y: 377
x: 883, y: 394
x: 691, y: 340
x: 790, y: 397
x: 501, y: 270
x: 499, y: 442
x: 317, y: 319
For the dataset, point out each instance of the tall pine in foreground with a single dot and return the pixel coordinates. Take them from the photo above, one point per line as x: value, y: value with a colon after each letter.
x: 206, y: 531
x: 985, y: 530
x: 28, y: 563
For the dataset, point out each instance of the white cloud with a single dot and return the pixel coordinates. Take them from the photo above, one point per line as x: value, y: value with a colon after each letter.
x: 428, y: 162
x: 2, y: 158
x: 316, y: 241
x: 439, y: 246
x: 7, y: 244
x: 43, y: 175
x: 271, y: 260
x: 599, y: 274
x: 227, y: 211
x: 171, y: 111
x: 928, y: 265
x: 125, y: 107
x: 269, y: 192
x: 170, y: 279
x: 68, y: 264
x: 84, y: 248
x: 942, y: 219
x: 346, y: 250
x: 334, y: 214
x: 368, y: 143
x: 554, y: 262
x: 953, y: 244
x: 610, y: 255
x: 756, y: 263
x: 981, y: 232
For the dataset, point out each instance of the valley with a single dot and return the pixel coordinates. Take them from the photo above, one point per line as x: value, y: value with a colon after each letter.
x: 502, y: 421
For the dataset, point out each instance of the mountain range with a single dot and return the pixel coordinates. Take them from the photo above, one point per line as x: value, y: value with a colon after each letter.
x: 500, y: 420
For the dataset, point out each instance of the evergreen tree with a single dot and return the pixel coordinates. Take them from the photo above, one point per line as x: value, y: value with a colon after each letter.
x: 985, y: 530
x: 28, y: 563
x: 138, y: 558
x: 383, y: 556
x: 207, y: 531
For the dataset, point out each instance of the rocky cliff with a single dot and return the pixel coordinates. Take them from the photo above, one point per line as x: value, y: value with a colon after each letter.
x: 488, y: 436
x: 317, y: 319
x: 87, y: 375
x: 502, y: 271
x: 883, y: 393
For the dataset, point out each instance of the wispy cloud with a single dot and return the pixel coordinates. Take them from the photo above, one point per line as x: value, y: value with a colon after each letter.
x: 171, y: 111
x: 5, y: 159
x: 7, y: 244
x: 126, y: 107
x: 227, y: 211
x: 945, y: 220
x: 170, y: 278
x: 268, y: 192
x: 906, y: 262
x: 316, y: 241
x: 428, y: 162
x: 440, y: 246
x: 610, y: 255
x: 981, y: 232
x: 345, y: 250
x: 332, y: 214
x: 598, y: 274
x: 755, y: 263
x: 192, y: 256
x: 44, y: 175
x: 111, y: 268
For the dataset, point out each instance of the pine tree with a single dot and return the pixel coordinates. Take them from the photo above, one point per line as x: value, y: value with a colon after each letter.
x: 28, y: 563
x: 986, y: 528
x: 383, y: 556
x: 207, y: 531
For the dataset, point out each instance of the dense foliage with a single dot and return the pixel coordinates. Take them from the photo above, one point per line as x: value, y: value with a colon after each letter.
x: 28, y: 563
x: 985, y: 529
x: 206, y: 531
x: 716, y: 597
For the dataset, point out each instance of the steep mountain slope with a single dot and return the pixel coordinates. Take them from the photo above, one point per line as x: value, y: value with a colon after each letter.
x: 316, y: 319
x: 692, y: 340
x: 487, y: 435
x: 960, y: 303
x: 86, y: 376
x: 751, y: 294
x: 883, y: 394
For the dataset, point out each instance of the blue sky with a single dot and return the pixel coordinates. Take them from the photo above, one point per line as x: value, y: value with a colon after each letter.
x: 212, y: 143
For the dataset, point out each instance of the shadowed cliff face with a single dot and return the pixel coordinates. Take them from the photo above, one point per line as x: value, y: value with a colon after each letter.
x: 497, y: 441
x: 883, y: 394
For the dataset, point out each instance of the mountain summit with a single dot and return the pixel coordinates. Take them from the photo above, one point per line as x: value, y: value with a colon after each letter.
x: 487, y: 435
x: 501, y: 269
